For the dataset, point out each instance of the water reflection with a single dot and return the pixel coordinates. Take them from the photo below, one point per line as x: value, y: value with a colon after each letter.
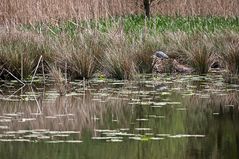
x: 192, y: 117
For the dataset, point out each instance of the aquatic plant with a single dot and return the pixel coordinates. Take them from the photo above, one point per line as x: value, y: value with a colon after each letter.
x: 119, y: 48
x: 144, y: 51
x: 200, y: 59
x: 19, y: 52
x: 118, y: 63
x: 227, y: 45
x: 80, y: 53
x: 195, y: 50
x: 59, y: 80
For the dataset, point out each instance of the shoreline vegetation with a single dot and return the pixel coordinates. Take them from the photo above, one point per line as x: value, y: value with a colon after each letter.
x: 117, y: 44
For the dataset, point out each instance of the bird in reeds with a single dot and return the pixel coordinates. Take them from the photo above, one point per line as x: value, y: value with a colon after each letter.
x: 161, y: 55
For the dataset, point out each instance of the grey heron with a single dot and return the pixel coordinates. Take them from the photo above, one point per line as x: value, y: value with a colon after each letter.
x: 161, y: 55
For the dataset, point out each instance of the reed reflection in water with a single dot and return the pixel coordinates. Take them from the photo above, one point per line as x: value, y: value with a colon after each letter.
x: 185, y: 120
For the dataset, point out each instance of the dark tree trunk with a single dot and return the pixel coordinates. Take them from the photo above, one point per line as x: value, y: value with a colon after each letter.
x: 147, y: 8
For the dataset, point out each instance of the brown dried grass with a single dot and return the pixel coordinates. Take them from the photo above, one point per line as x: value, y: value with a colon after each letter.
x: 28, y: 11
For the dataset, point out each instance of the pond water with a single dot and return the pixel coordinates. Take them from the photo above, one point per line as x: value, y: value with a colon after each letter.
x: 168, y: 117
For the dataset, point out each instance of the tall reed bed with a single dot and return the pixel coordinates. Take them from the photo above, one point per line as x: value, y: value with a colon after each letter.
x: 81, y: 54
x: 228, y: 48
x: 20, y: 52
x: 113, y: 48
x: 57, y: 10
x: 194, y: 49
x: 196, y: 7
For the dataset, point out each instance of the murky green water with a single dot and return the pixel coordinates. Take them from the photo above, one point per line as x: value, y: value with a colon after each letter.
x: 174, y: 117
